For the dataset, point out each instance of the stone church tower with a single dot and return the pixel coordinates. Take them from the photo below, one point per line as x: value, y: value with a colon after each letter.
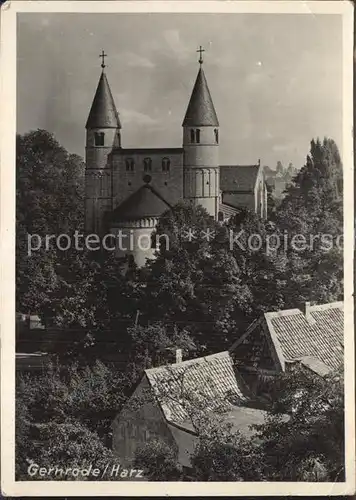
x: 201, y: 148
x: 102, y: 135
x: 128, y: 189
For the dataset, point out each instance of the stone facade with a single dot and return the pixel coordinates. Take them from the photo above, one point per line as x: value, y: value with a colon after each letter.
x: 191, y: 172
x: 140, y: 422
x: 164, y: 166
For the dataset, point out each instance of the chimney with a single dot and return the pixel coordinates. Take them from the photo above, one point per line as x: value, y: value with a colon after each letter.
x: 307, y: 314
x: 179, y: 356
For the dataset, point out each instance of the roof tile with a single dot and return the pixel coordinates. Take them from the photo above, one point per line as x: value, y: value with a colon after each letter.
x: 103, y: 113
x: 321, y: 338
x: 211, y: 377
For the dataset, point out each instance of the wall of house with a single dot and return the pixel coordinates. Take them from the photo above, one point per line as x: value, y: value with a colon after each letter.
x: 139, y: 424
x: 261, y: 195
x: 168, y: 183
x: 187, y: 443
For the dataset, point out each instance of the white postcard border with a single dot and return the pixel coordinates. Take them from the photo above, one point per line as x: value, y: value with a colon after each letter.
x: 7, y: 241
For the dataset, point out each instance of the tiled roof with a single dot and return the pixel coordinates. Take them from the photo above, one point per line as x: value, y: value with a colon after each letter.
x: 103, y: 113
x: 200, y: 111
x: 143, y: 203
x: 237, y: 178
x: 321, y: 336
x: 211, y: 378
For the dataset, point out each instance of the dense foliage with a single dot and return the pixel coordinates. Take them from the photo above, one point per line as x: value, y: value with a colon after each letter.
x: 300, y: 440
x: 199, y: 294
x: 66, y: 415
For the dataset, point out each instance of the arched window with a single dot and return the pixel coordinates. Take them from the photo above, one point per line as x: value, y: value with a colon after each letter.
x: 216, y: 132
x: 130, y: 165
x: 99, y: 138
x: 197, y: 135
x: 147, y: 165
x: 192, y: 135
x: 166, y: 164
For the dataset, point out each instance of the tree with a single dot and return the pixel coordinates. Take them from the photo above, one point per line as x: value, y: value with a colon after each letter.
x: 194, y: 282
x: 222, y: 454
x: 93, y: 290
x: 159, y: 461
x: 70, y: 444
x: 67, y: 412
x: 302, y: 438
x: 310, y: 445
x: 312, y: 212
x: 49, y: 201
x: 155, y: 344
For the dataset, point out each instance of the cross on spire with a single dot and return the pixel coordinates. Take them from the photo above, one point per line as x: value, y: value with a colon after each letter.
x: 103, y: 55
x: 201, y: 50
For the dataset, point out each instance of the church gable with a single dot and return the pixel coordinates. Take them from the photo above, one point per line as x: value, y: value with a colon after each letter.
x: 161, y: 167
x: 145, y: 202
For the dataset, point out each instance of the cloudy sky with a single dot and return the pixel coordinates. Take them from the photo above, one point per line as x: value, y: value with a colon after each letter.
x: 276, y: 80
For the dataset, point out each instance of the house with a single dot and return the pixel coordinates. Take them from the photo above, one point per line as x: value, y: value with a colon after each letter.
x: 312, y: 336
x: 168, y: 398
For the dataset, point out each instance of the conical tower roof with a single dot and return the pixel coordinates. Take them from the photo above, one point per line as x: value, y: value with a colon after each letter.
x: 103, y: 113
x: 201, y: 111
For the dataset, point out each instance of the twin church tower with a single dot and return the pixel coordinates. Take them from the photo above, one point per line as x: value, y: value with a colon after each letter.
x: 129, y: 189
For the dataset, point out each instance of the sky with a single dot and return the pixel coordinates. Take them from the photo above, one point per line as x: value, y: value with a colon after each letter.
x: 275, y: 79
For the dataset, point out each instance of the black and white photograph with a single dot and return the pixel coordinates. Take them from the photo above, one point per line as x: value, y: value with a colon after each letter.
x: 177, y: 248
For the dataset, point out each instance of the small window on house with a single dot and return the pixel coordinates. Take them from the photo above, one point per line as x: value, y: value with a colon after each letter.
x: 192, y: 135
x: 220, y: 217
x: 166, y: 164
x: 99, y: 138
x: 216, y: 132
x: 147, y: 165
x: 197, y: 135
x: 130, y: 165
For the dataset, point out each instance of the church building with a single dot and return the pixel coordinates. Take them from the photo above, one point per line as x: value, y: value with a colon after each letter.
x: 127, y: 190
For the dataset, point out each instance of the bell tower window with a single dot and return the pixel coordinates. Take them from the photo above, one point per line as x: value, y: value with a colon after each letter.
x: 197, y: 135
x: 192, y: 135
x: 99, y: 138
x: 216, y: 132
x: 147, y: 165
x: 130, y: 165
x: 166, y: 164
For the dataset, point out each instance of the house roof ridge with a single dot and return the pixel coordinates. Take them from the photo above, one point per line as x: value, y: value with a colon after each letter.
x: 327, y: 306
x: 282, y: 313
x: 201, y: 359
